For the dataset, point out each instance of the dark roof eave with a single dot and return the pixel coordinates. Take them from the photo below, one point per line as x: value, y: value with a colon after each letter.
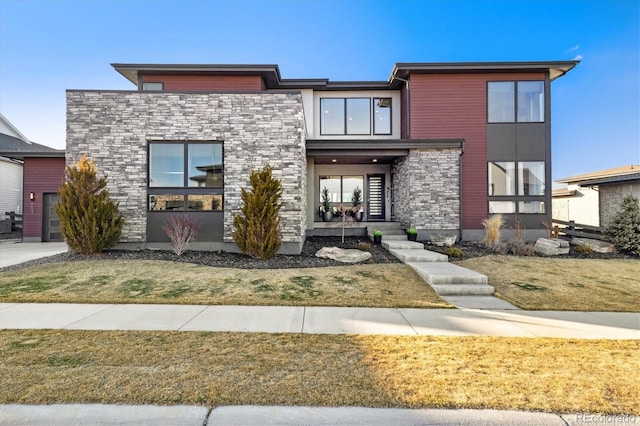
x: 21, y: 155
x: 611, y: 180
x: 556, y: 69
x: 337, y: 145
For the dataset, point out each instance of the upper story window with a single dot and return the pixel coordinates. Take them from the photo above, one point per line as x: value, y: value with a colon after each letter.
x: 352, y: 116
x: 503, y: 96
x: 152, y: 87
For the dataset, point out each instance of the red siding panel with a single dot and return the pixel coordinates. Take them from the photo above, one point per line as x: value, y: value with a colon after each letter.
x: 455, y: 106
x: 41, y: 175
x: 207, y: 82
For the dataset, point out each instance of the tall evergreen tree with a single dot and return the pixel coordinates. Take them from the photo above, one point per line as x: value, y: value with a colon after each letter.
x: 89, y: 220
x: 624, y: 229
x: 257, y: 228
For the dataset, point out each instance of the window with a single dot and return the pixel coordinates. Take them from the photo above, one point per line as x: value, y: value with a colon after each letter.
x: 382, y: 116
x: 531, y: 178
x: 352, y: 116
x: 501, y: 101
x: 185, y: 176
x: 152, y: 87
x: 502, y: 178
x: 341, y: 187
x: 530, y: 101
x: 528, y: 177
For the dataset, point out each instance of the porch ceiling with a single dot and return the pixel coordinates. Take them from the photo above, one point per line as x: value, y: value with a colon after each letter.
x: 371, y: 151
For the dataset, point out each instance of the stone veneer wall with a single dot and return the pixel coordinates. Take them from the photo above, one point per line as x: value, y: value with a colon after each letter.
x: 611, y: 197
x: 114, y: 128
x: 426, y: 189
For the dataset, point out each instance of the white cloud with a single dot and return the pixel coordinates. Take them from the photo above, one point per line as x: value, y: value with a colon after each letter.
x: 578, y: 58
x: 573, y: 49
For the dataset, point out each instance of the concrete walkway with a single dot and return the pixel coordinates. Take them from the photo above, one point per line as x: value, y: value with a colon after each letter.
x: 194, y: 415
x: 322, y: 320
x: 14, y: 253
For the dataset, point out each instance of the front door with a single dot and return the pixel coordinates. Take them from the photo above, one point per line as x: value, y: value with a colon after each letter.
x: 375, y: 197
x: 50, y: 221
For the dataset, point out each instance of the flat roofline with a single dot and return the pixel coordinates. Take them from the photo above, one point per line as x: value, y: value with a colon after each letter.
x: 270, y: 73
x: 21, y: 155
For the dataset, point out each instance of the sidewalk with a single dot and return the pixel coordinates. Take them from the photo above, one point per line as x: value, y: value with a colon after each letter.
x: 14, y: 253
x: 97, y: 414
x: 322, y: 320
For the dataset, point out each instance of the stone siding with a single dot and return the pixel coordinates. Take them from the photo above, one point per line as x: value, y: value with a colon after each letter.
x: 426, y: 189
x: 611, y: 197
x: 115, y: 128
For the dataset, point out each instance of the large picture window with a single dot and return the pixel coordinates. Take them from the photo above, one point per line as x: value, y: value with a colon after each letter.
x: 352, y: 116
x: 185, y: 176
x: 341, y: 187
x: 503, y: 96
x: 516, y: 187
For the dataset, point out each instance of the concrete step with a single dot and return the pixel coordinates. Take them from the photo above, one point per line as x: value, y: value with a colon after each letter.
x: 401, y: 244
x: 436, y: 273
x: 393, y: 237
x: 479, y: 302
x: 464, y: 289
x: 418, y: 256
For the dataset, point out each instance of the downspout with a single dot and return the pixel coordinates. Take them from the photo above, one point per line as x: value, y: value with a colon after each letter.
x: 460, y: 189
x: 408, y: 86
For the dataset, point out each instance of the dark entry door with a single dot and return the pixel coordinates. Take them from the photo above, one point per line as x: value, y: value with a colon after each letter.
x: 375, y: 197
x: 50, y: 221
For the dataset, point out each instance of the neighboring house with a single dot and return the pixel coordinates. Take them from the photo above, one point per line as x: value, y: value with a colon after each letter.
x: 31, y: 176
x: 596, y: 195
x: 437, y: 146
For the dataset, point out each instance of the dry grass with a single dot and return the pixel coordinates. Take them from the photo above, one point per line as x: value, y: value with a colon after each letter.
x: 111, y: 281
x: 554, y: 375
x: 563, y: 284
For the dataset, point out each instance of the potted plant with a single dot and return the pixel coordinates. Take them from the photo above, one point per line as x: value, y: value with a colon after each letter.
x: 377, y: 236
x: 327, y: 212
x: 356, y: 201
x: 412, y: 234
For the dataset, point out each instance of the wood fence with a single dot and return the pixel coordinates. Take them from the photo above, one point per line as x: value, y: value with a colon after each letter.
x: 16, y: 220
x: 571, y: 229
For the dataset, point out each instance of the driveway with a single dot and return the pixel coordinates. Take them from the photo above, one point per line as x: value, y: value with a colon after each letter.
x: 15, y: 253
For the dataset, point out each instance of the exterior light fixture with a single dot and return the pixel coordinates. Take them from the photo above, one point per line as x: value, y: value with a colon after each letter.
x: 375, y: 160
x: 32, y: 196
x: 333, y: 160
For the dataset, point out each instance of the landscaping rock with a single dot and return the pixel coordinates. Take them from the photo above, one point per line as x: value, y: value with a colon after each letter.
x: 551, y: 246
x: 595, y: 245
x: 443, y: 240
x: 343, y: 255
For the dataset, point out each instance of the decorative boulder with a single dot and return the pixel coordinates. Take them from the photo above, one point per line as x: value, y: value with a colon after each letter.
x: 595, y: 245
x: 441, y: 240
x: 551, y: 246
x: 343, y: 255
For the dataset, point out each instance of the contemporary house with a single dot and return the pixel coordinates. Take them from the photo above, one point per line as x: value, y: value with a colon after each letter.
x: 437, y: 146
x: 30, y: 176
x: 594, y: 198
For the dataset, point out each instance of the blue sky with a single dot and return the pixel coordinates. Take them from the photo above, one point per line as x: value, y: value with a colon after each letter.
x: 48, y: 46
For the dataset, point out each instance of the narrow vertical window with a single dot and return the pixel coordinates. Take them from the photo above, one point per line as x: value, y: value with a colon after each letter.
x: 530, y: 101
x: 332, y: 116
x: 531, y: 178
x: 502, y: 178
x: 359, y: 116
x: 382, y: 116
x: 501, y: 102
x: 166, y: 165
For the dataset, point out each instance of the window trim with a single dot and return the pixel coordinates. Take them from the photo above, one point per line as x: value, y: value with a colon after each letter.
x: 517, y: 198
x: 515, y: 101
x: 184, y: 190
x: 372, y: 124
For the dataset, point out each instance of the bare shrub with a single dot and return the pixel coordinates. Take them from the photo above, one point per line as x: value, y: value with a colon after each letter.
x: 364, y: 246
x: 181, y: 230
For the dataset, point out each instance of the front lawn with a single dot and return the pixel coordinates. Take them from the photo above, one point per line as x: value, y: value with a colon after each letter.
x: 146, y: 281
x: 135, y: 367
x: 540, y: 283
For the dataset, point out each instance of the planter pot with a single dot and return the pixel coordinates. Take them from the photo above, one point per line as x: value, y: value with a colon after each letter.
x: 412, y: 237
x: 327, y: 216
x: 358, y: 216
x: 377, y: 239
